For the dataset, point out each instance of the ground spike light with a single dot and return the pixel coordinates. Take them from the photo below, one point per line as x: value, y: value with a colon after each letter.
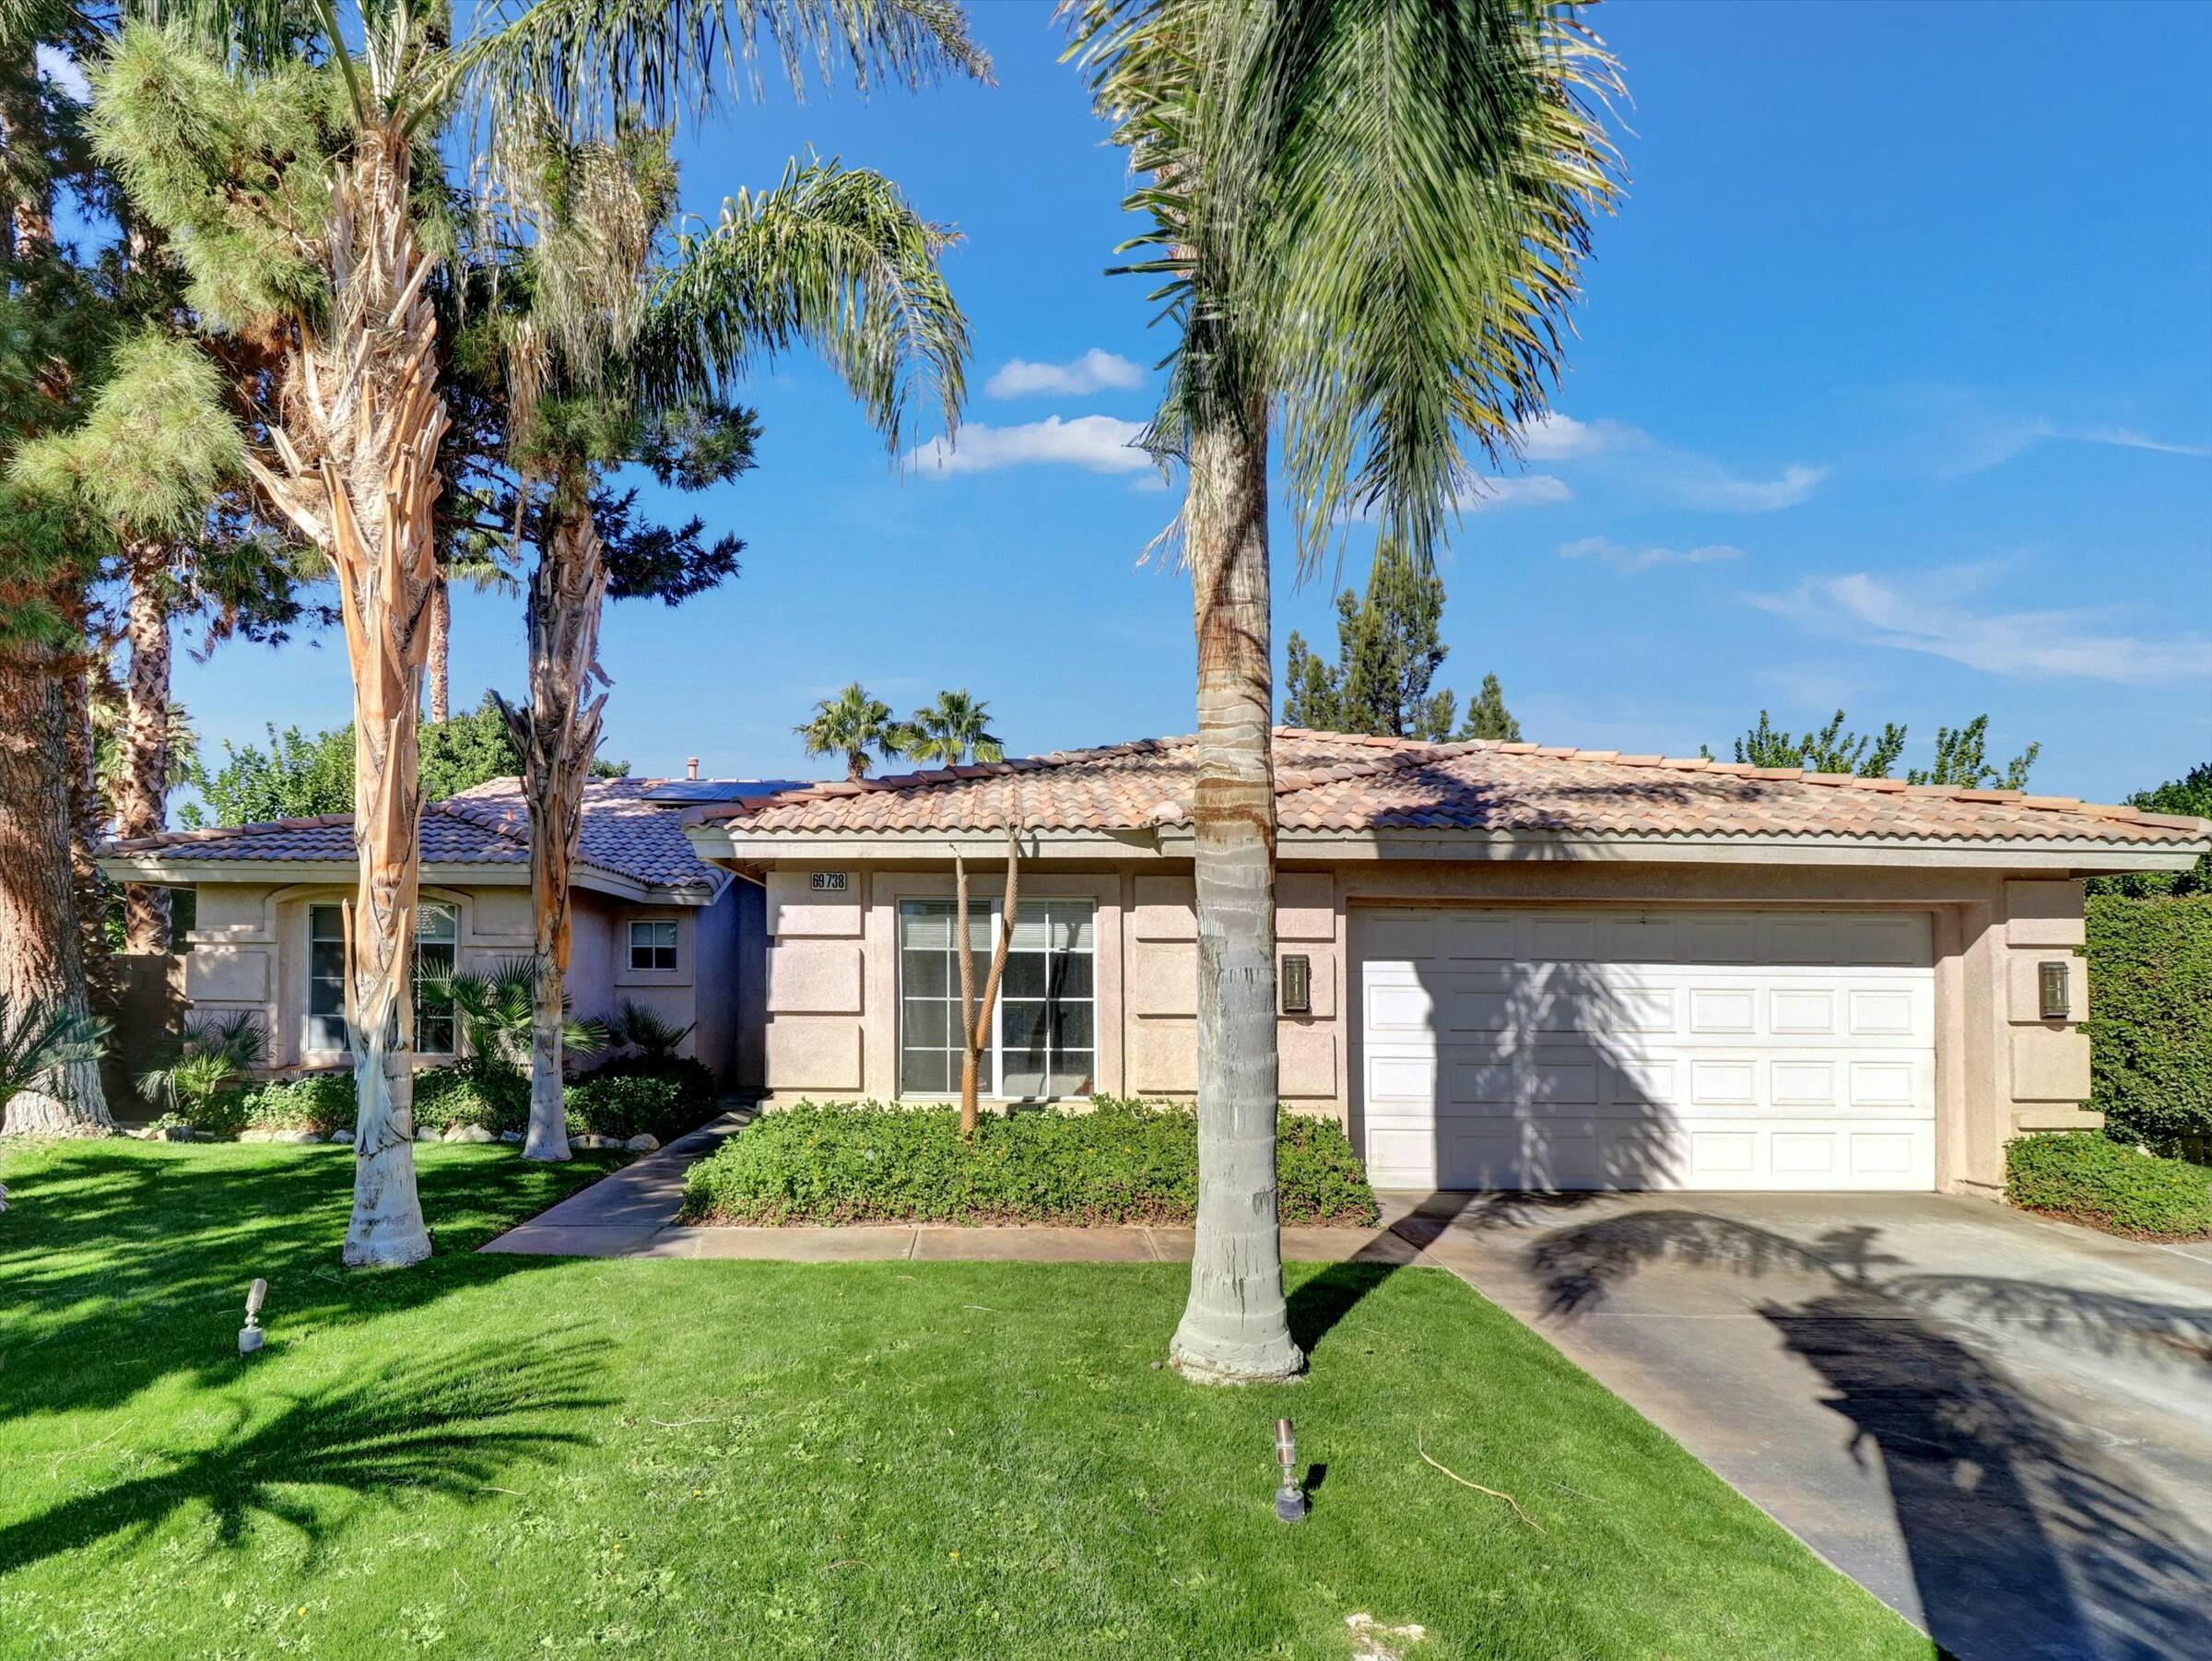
x: 249, y: 1335
x: 1291, y: 1504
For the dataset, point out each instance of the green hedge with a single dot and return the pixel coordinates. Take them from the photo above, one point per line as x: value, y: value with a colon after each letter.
x: 2150, y: 1018
x: 630, y: 1104
x: 1122, y: 1162
x: 2092, y: 1179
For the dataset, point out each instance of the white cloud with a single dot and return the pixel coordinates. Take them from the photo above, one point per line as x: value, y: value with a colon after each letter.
x: 1696, y: 482
x: 1558, y: 438
x: 1516, y: 491
x: 1100, y: 443
x: 1093, y: 371
x: 1624, y: 558
x: 1678, y: 475
x: 1936, y: 615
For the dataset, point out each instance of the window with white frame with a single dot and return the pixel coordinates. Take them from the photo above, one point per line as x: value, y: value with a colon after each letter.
x: 1043, y: 1040
x: 437, y: 940
x: 653, y: 946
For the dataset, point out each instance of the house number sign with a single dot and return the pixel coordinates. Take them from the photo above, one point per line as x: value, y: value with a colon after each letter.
x: 826, y: 882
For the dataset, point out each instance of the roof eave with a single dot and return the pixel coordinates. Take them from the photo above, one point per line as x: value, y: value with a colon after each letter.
x: 157, y: 866
x: 2077, y: 855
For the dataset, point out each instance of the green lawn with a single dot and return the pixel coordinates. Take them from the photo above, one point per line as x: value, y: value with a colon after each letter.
x: 504, y: 1456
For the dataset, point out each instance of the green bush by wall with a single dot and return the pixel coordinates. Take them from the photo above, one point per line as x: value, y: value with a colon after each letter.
x: 1122, y: 1162
x: 2092, y: 1179
x: 2150, y: 1018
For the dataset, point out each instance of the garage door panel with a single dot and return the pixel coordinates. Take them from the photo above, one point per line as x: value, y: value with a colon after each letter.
x: 1639, y: 1049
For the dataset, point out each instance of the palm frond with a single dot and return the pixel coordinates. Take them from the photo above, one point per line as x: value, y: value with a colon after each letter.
x: 594, y: 60
x: 832, y: 259
x: 37, y: 1039
x: 646, y: 1035
x: 1367, y: 218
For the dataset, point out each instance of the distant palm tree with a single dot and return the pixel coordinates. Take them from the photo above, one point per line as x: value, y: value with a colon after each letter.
x: 1366, y: 223
x: 853, y: 724
x: 952, y: 731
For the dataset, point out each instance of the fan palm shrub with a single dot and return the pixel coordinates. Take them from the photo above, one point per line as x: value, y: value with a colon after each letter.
x: 40, y: 1042
x: 1366, y: 220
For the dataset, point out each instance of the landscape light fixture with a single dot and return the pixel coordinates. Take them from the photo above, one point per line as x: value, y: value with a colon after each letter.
x: 1290, y: 1504
x: 249, y: 1335
x: 2052, y: 976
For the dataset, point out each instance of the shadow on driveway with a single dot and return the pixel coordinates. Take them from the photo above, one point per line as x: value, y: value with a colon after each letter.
x: 2027, y: 1531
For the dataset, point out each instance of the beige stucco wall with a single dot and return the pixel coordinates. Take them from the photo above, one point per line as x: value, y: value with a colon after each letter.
x: 250, y: 951
x: 832, y: 991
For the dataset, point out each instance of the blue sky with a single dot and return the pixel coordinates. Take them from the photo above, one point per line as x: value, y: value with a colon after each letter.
x: 1893, y: 391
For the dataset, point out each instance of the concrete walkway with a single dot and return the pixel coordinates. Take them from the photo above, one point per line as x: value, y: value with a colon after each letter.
x: 632, y: 1214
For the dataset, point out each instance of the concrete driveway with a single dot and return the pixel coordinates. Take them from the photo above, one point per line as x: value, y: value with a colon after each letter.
x: 2001, y: 1426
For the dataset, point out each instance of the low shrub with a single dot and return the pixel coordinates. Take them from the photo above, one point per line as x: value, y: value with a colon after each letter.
x: 474, y: 1090
x: 2150, y: 1018
x: 628, y: 1106
x: 2089, y: 1178
x: 317, y: 1101
x: 1121, y: 1163
x: 694, y: 1080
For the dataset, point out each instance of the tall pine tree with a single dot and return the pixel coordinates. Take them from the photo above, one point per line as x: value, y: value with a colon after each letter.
x: 1388, y: 650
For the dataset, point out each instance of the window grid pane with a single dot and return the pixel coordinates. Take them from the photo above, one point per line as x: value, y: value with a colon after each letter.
x: 653, y: 945
x: 931, y: 1035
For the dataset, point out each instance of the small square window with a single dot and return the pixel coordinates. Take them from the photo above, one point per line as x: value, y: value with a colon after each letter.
x: 653, y: 946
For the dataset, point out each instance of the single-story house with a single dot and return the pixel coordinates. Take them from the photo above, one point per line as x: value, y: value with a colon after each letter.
x: 651, y: 922
x: 1501, y: 965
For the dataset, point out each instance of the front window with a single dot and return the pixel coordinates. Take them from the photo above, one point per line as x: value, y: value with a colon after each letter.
x: 436, y: 935
x: 1043, y: 1037
x: 326, y: 977
x: 653, y: 946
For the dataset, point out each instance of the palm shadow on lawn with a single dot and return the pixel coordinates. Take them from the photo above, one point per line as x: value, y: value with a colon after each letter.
x: 449, y: 1424
x: 121, y: 1265
x: 2025, y: 1539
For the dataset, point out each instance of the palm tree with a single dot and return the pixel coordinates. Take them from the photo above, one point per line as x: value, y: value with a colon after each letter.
x: 625, y: 351
x: 1368, y: 221
x: 952, y: 731
x: 483, y: 571
x: 289, y: 152
x: 853, y: 724
x: 145, y: 464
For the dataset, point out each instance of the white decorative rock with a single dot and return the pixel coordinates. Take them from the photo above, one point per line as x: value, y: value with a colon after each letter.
x: 592, y: 1139
x: 342, y: 1135
x: 642, y: 1143
x: 254, y: 1133
x: 511, y: 1135
x: 423, y: 1133
x: 298, y: 1138
x: 469, y: 1133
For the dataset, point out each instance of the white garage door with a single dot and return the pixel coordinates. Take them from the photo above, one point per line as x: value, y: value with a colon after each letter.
x: 1647, y: 1049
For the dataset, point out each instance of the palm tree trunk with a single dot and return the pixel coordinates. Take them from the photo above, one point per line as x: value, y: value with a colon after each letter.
x: 142, y: 796
x: 441, y: 647
x: 361, y: 422
x: 558, y: 737
x: 88, y: 812
x: 1235, y: 1329
x: 40, y: 948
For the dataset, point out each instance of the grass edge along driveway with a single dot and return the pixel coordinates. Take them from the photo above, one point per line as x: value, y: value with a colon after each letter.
x: 503, y: 1456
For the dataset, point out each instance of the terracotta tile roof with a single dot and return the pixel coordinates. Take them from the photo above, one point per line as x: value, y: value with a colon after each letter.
x: 1336, y: 782
x: 622, y: 835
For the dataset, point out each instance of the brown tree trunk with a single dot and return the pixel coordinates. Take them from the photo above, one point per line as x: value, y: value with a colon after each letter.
x: 40, y: 948
x: 359, y: 446
x: 975, y: 1023
x: 142, y: 793
x: 1235, y: 1329
x: 440, y: 648
x: 88, y: 811
x: 557, y: 735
